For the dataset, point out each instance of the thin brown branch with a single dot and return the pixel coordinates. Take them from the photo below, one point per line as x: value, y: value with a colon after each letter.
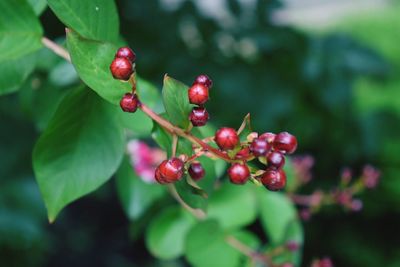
x: 57, y: 49
x: 248, y: 251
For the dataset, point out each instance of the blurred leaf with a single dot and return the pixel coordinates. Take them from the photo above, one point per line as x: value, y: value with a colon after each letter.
x: 176, y: 101
x: 166, y: 234
x: 20, y: 30
x: 95, y: 19
x: 92, y: 60
x: 63, y: 74
x: 13, y: 73
x: 135, y: 195
x: 206, y: 246
x: 38, y: 6
x: 277, y: 214
x: 195, y: 197
x: 233, y: 206
x: 79, y: 151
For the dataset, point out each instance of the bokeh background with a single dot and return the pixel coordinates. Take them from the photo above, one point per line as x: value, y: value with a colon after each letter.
x: 327, y: 71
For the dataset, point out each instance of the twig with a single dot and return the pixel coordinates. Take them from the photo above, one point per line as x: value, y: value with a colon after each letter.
x: 199, y: 214
x: 57, y: 49
x: 174, y: 144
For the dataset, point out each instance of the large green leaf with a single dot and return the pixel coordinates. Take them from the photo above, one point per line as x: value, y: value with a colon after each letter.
x: 135, y: 195
x: 166, y: 235
x: 92, y: 60
x: 94, y: 19
x: 176, y: 101
x: 38, y: 6
x: 206, y: 246
x: 13, y: 73
x: 277, y: 214
x: 233, y: 206
x: 79, y: 151
x: 20, y: 30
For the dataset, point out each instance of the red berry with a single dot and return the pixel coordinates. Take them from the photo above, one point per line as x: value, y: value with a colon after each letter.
x: 199, y: 116
x: 226, y: 138
x: 238, y: 173
x: 269, y: 137
x: 260, y: 147
x: 169, y: 171
x: 274, y: 180
x: 275, y: 159
x: 129, y: 102
x: 204, y: 80
x: 121, y: 68
x: 285, y: 142
x: 198, y: 94
x: 196, y: 171
x: 126, y: 52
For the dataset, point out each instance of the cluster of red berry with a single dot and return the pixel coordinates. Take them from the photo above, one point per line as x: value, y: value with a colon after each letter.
x: 269, y: 148
x: 122, y: 68
x: 198, y: 95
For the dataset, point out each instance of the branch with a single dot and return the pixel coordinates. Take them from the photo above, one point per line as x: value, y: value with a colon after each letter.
x: 199, y: 214
x: 57, y: 49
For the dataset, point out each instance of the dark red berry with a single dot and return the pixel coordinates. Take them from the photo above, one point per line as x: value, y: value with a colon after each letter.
x: 244, y: 153
x: 226, y: 138
x: 129, y: 102
x: 121, y: 68
x: 199, y: 116
x: 275, y: 159
x: 196, y: 171
x: 204, y: 80
x: 198, y: 94
x: 285, y: 142
x: 239, y: 173
x: 274, y: 180
x: 269, y: 137
x: 126, y: 52
x: 259, y: 147
x: 169, y: 171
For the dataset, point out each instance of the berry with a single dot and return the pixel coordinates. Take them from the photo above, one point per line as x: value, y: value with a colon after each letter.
x: 274, y: 180
x: 169, y: 171
x: 121, y: 68
x: 226, y: 138
x: 292, y: 245
x: 198, y: 94
x: 196, y: 171
x: 238, y: 173
x: 275, y: 159
x: 126, y: 52
x: 269, y: 137
x: 259, y: 147
x: 204, y: 80
x: 285, y: 142
x: 199, y: 116
x: 129, y: 102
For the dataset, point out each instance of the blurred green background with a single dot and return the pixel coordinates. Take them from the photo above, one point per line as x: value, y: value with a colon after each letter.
x: 329, y: 73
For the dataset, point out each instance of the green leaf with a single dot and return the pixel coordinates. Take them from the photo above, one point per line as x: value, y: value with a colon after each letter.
x: 195, y: 197
x: 94, y: 19
x: 63, y: 74
x: 38, y: 6
x: 92, y: 60
x: 277, y: 213
x: 139, y: 123
x: 176, y: 101
x: 20, y: 30
x: 206, y: 246
x: 136, y: 196
x: 13, y: 73
x: 166, y: 234
x: 79, y: 151
x: 233, y: 206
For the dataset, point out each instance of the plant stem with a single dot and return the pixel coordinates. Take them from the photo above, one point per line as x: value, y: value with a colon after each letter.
x: 178, y: 131
x: 198, y: 213
x: 57, y: 49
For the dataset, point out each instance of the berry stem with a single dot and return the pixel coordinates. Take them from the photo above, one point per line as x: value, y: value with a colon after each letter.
x: 174, y: 144
x: 172, y: 129
x: 57, y: 49
x: 197, y: 213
